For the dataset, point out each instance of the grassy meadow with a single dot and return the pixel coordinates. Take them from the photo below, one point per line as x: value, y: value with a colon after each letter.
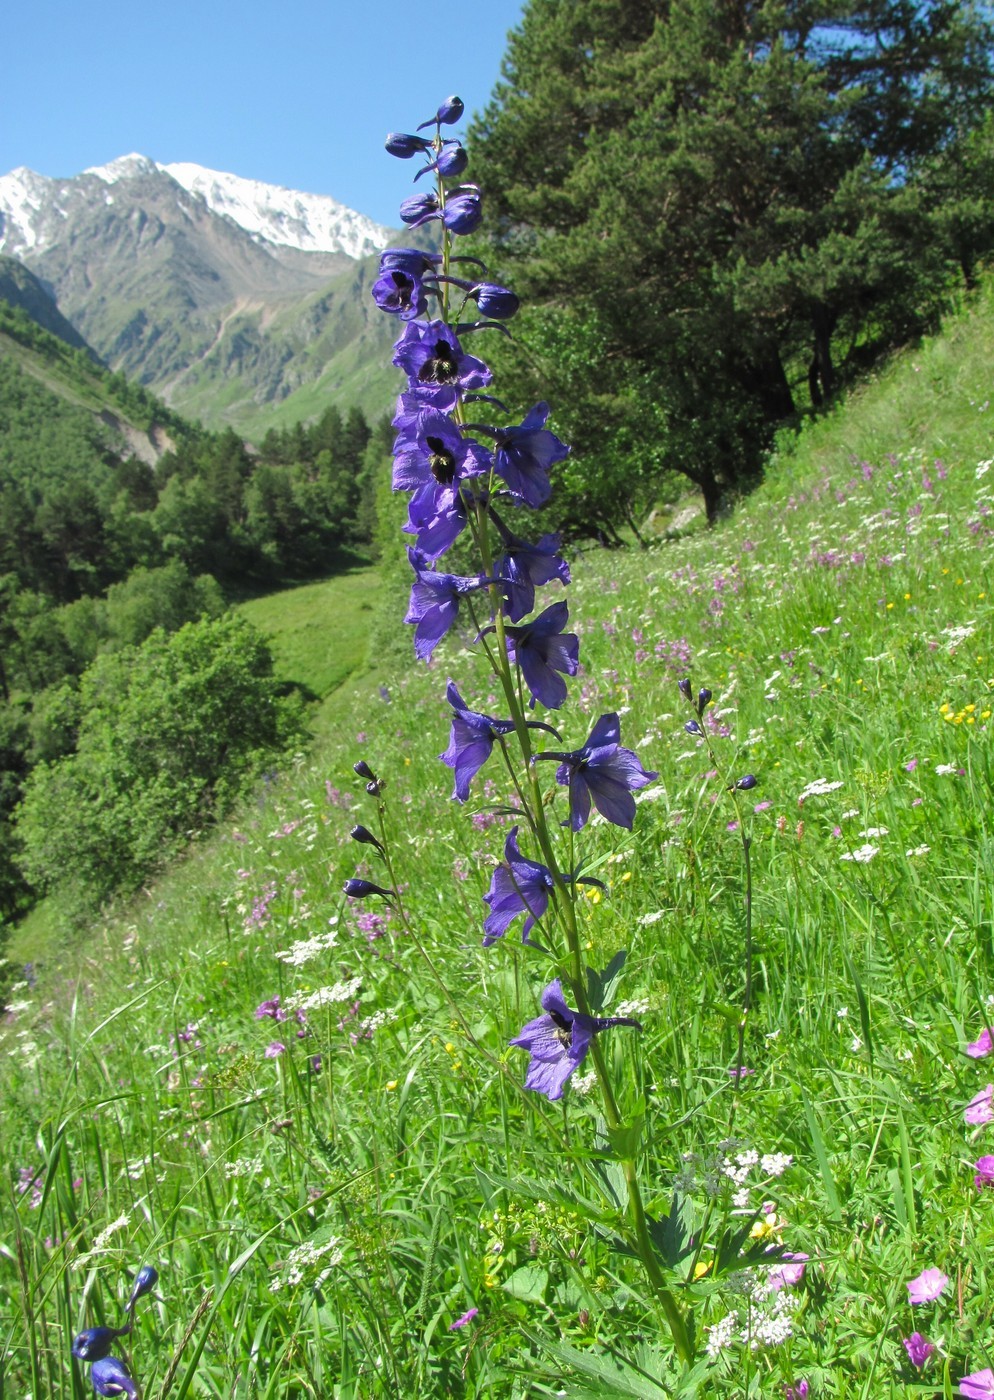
x: 362, y: 1200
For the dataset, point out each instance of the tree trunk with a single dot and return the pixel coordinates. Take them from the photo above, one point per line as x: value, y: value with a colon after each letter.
x: 822, y: 372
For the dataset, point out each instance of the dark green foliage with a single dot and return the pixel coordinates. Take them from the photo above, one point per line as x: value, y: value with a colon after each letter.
x: 169, y: 733
x: 733, y: 207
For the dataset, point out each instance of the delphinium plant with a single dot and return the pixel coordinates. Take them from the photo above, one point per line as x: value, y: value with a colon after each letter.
x: 474, y: 472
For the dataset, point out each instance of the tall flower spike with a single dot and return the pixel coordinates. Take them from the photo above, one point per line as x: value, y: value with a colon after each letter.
x: 604, y: 772
x: 558, y: 1041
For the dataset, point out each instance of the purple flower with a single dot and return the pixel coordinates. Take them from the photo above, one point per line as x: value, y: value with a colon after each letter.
x: 96, y: 1342
x: 462, y: 1321
x: 747, y: 783
x: 927, y: 1286
x: 524, y: 454
x: 789, y: 1272
x: 984, y: 1169
x: 523, y: 567
x: 435, y: 453
x: 471, y: 740
x: 270, y: 1008
x: 451, y: 160
x: 982, y: 1046
x: 604, y: 772
x: 980, y: 1110
x: 110, y: 1377
x: 978, y: 1386
x: 400, y: 294
x: 517, y: 886
x: 275, y: 1049
x: 558, y: 1041
x: 796, y: 1392
x: 434, y: 604
x: 919, y: 1349
x: 431, y: 357
x: 463, y: 212
x: 542, y: 649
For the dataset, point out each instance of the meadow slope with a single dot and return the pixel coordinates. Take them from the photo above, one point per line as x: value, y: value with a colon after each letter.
x: 327, y: 1196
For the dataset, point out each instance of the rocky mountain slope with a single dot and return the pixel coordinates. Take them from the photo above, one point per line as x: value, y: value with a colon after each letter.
x: 235, y: 301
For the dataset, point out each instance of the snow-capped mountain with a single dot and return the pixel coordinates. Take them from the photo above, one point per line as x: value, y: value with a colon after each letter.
x: 224, y: 295
x: 270, y: 214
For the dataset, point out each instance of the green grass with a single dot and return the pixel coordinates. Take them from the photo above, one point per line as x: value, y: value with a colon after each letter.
x: 319, y: 633
x: 842, y: 618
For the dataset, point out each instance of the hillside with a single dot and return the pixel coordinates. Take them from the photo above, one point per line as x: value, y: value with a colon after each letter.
x: 305, y: 1110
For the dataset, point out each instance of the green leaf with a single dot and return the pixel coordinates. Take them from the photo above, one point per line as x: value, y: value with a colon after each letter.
x: 529, y: 1284
x: 626, y: 1137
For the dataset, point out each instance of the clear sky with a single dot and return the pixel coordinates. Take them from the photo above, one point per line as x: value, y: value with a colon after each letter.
x: 297, y: 92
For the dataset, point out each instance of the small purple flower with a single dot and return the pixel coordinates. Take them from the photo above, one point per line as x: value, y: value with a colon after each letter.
x: 523, y: 456
x: 740, y: 1072
x: 980, y: 1109
x: 451, y: 161
x: 558, y: 1041
x: 523, y: 567
x: 400, y: 294
x: 788, y: 1272
x: 110, y: 1377
x: 517, y: 886
x: 431, y: 357
x: 270, y: 1008
x: 471, y: 740
x: 982, y: 1046
x: 604, y: 772
x: 984, y: 1172
x: 746, y: 783
x: 796, y: 1392
x: 929, y: 1284
x: 978, y: 1386
x: 495, y: 301
x: 435, y: 453
x: 275, y: 1049
x: 447, y: 115
x: 542, y: 650
x: 434, y: 605
x: 919, y: 1349
x: 467, y: 1317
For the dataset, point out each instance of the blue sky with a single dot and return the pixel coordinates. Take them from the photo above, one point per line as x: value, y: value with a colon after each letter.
x: 299, y: 93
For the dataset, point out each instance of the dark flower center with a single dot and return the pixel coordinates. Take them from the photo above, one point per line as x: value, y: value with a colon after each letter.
x: 564, y: 1029
x: 441, y: 367
x: 442, y: 463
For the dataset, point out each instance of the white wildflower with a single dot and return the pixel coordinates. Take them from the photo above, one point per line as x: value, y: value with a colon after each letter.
x: 946, y: 770
x: 305, y: 949
x: 775, y: 1163
x: 862, y: 854
x: 820, y: 787
x: 918, y: 851
x: 638, y: 1006
x: 721, y: 1335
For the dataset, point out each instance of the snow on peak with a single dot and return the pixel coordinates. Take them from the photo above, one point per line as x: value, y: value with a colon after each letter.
x: 22, y: 194
x: 124, y: 168
x: 314, y: 223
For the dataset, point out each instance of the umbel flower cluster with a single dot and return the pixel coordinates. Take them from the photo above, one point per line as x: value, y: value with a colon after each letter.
x: 470, y: 472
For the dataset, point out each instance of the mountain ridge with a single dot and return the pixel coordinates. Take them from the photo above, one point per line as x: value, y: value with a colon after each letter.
x: 226, y: 297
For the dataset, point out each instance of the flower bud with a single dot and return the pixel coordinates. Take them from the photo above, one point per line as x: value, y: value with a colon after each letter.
x: 692, y: 727
x: 399, y: 144
x: 365, y: 837
x: 364, y: 771
x: 362, y: 889
x: 684, y: 688
x: 450, y: 111
x: 703, y: 700
x: 147, y: 1277
x: 495, y: 301
x: 452, y: 159
x: 747, y: 783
